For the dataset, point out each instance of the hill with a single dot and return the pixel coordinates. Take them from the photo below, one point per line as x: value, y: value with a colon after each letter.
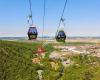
x: 15, y: 61
x: 16, y: 64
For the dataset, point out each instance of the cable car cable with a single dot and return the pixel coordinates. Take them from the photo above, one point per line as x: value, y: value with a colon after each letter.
x: 64, y: 9
x: 61, y: 18
x: 44, y: 10
x: 41, y: 49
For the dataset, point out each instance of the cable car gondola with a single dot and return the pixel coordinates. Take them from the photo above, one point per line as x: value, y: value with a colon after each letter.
x: 61, y: 36
x: 32, y: 33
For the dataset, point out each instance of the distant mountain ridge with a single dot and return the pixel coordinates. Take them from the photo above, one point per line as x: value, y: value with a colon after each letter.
x: 12, y: 38
x: 46, y: 37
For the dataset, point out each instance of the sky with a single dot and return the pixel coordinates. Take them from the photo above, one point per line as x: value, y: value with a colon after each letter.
x: 82, y: 17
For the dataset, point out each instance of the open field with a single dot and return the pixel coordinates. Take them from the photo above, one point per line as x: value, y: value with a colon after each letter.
x: 73, y: 60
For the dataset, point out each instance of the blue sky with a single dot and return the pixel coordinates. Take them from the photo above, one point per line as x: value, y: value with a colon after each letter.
x: 82, y: 17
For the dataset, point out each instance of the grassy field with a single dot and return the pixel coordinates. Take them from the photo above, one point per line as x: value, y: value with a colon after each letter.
x: 16, y: 64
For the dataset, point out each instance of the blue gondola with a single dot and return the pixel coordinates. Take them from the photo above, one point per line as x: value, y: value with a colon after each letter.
x: 32, y: 33
x: 61, y: 36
